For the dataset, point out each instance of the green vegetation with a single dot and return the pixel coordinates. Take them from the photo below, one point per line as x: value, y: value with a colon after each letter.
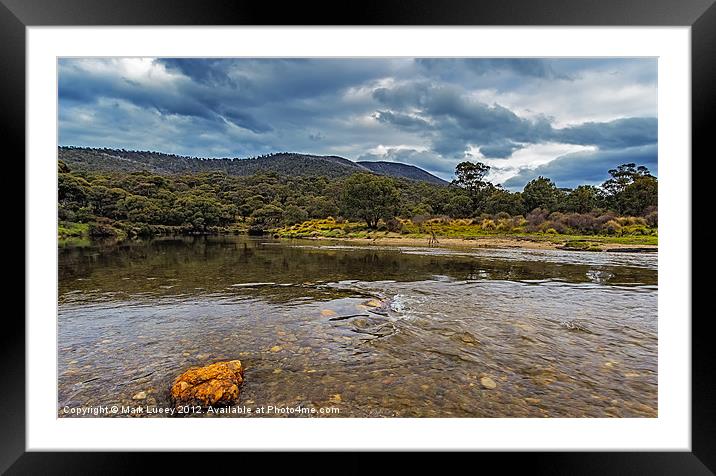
x: 465, y: 229
x: 370, y: 198
x: 121, y: 204
x: 83, y: 159
x: 72, y: 230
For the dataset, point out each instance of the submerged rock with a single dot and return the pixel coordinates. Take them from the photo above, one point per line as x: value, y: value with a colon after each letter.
x: 376, y: 306
x: 575, y: 325
x: 467, y: 338
x: 214, y: 385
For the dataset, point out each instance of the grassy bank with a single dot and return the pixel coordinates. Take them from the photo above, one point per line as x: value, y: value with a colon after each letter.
x: 470, y: 233
x: 501, y: 233
x: 66, y: 230
x: 108, y: 229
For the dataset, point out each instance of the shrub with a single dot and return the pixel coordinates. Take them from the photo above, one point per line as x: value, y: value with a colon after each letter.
x: 536, y: 217
x: 612, y: 227
x: 630, y: 221
x: 578, y: 221
x: 84, y: 215
x: 293, y: 214
x: 335, y: 233
x: 556, y: 216
x: 601, y: 220
x: 420, y: 219
x: 422, y: 209
x: 635, y: 230
x: 67, y: 230
x: 102, y: 230
x: 144, y: 230
x: 439, y: 220
x: 518, y: 221
x: 488, y: 224
x: 394, y: 225
x: 504, y: 226
x: 557, y: 226
x: 63, y: 214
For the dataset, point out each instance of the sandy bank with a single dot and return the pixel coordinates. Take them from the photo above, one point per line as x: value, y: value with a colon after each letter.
x: 485, y: 242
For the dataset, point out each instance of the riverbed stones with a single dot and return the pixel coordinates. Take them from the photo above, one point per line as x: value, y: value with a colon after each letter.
x: 213, y: 385
x: 467, y: 338
x: 488, y: 383
x: 139, y: 396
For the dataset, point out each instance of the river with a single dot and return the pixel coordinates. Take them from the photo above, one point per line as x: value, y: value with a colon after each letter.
x: 459, y: 333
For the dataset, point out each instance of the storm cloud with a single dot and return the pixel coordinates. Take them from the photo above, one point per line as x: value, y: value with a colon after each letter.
x: 571, y: 170
x: 570, y: 119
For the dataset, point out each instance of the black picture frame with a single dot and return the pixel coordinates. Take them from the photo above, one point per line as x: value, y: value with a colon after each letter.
x: 16, y: 15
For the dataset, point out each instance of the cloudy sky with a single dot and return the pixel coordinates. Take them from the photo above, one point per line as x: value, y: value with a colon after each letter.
x: 567, y: 119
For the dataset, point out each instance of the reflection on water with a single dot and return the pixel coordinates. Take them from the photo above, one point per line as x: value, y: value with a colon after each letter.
x: 561, y: 334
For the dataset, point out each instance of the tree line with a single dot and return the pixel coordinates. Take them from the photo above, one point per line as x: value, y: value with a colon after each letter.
x: 145, y: 202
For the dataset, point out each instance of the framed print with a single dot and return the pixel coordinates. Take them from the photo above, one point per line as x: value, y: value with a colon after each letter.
x: 457, y: 227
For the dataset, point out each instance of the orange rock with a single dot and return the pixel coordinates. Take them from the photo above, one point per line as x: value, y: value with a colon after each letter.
x: 214, y: 385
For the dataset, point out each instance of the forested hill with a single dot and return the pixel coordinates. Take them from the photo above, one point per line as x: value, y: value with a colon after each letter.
x: 291, y: 164
x: 396, y: 169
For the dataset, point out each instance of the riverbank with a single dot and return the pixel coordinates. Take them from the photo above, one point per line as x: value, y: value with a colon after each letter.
x: 454, y: 234
x: 472, y: 234
x: 558, y: 242
x: 68, y: 230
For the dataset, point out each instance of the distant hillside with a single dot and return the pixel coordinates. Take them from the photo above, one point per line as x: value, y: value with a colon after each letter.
x: 107, y: 160
x: 396, y: 169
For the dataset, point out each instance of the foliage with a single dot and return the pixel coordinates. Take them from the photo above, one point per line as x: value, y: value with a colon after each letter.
x: 143, y: 202
x: 467, y: 229
x: 582, y: 199
x: 369, y: 198
x: 72, y: 230
x: 283, y: 163
x: 470, y: 175
x: 541, y: 193
x: 268, y: 216
x: 631, y: 190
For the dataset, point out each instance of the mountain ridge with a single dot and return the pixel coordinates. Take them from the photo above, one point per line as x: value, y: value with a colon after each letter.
x: 283, y: 163
x: 394, y: 169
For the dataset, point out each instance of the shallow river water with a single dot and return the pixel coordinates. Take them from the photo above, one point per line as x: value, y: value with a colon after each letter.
x: 458, y: 333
